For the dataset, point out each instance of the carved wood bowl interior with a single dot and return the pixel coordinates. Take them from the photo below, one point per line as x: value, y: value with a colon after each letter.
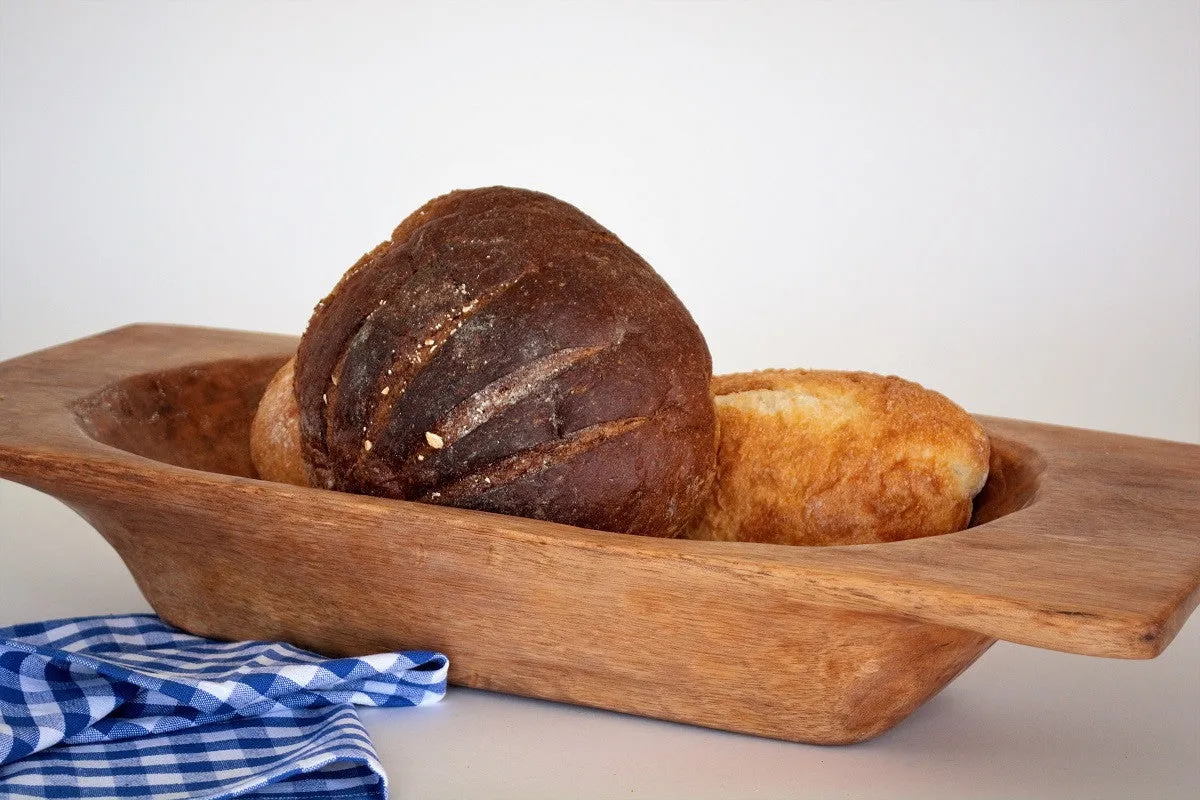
x: 199, y: 417
x: 1081, y: 541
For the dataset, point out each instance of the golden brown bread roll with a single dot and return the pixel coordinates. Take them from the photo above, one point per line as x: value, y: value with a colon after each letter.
x: 822, y: 458
x: 275, y: 432
x: 504, y: 352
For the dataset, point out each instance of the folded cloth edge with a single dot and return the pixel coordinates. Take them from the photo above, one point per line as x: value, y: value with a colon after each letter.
x: 419, y: 675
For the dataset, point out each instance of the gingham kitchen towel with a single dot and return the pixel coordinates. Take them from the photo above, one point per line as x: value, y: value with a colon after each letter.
x: 128, y: 706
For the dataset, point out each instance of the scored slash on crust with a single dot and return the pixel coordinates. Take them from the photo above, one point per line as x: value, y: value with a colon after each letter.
x: 405, y: 365
x: 484, y: 404
x: 534, y: 460
x: 500, y: 395
x: 507, y: 391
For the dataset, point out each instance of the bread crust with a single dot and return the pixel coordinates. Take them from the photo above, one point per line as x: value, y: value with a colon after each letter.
x: 504, y: 352
x: 812, y: 457
x: 275, y: 432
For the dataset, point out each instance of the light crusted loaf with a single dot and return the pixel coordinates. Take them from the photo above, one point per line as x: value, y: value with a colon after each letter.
x: 822, y: 458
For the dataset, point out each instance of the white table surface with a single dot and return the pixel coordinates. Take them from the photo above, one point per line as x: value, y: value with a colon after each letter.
x: 1020, y: 723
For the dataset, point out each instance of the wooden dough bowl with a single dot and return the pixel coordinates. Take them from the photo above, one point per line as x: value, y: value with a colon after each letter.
x: 1082, y: 541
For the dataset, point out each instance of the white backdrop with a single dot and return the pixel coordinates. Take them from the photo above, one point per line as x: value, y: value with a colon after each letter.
x: 1000, y: 200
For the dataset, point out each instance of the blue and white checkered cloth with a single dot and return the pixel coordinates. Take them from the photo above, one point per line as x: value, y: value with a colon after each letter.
x: 120, y: 707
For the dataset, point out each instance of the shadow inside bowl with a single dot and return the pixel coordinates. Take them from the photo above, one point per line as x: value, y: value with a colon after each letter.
x: 196, y: 416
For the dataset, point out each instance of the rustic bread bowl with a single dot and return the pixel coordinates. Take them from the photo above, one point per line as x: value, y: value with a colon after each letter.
x: 1081, y: 541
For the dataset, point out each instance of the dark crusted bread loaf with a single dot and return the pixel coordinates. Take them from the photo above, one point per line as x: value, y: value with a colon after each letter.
x: 505, y: 352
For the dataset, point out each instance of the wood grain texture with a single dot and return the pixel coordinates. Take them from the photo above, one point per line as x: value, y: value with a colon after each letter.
x: 1085, y: 542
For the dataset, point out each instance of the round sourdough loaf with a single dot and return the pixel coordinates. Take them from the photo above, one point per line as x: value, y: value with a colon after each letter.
x: 813, y: 457
x: 504, y: 352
